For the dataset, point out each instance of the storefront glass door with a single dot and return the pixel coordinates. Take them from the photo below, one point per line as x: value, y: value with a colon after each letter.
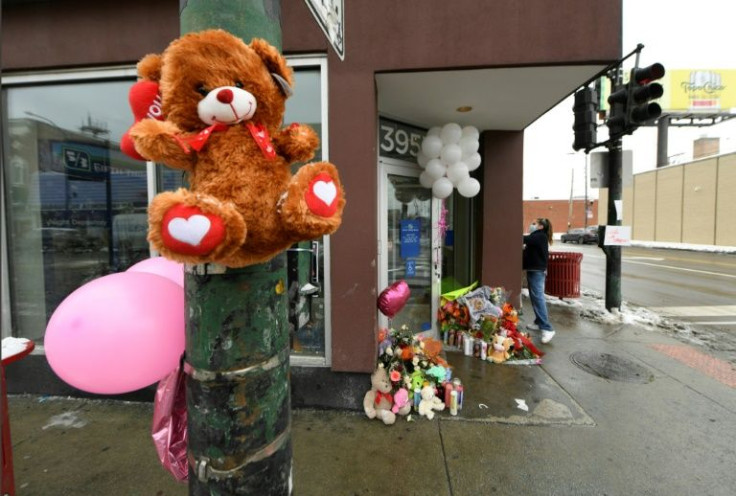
x: 408, y: 244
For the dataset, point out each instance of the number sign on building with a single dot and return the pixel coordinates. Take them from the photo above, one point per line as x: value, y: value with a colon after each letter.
x: 399, y: 140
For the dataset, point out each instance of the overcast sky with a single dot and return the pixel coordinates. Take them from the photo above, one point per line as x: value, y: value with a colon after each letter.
x: 680, y: 34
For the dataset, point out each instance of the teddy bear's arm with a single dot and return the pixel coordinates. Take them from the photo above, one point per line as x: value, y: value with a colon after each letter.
x: 296, y: 143
x: 368, y: 401
x: 155, y: 140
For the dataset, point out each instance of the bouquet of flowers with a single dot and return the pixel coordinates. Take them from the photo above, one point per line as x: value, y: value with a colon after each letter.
x: 483, y: 314
x: 453, y: 315
x: 411, y: 360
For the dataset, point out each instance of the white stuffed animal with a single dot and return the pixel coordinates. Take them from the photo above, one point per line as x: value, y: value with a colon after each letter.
x: 429, y: 403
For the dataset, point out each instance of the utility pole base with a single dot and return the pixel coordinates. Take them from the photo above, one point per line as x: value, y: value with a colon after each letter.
x: 238, y: 387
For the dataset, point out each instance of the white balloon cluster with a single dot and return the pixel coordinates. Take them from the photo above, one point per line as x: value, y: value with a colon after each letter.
x: 447, y: 156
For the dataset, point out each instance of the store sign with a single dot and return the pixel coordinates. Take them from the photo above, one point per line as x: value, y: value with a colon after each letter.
x: 399, y: 140
x: 410, y: 235
x: 411, y: 268
x: 82, y: 161
x: 330, y: 17
x: 617, y: 236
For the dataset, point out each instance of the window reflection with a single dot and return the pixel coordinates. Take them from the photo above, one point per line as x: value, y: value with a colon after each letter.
x: 305, y: 260
x: 76, y: 206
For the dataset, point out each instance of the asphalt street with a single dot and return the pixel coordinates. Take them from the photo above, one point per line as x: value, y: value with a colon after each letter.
x: 691, y: 286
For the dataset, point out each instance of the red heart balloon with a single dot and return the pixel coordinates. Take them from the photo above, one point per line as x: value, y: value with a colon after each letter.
x: 393, y: 298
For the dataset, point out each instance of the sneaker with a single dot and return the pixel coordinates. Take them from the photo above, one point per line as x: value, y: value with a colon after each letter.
x: 547, y: 336
x: 533, y: 327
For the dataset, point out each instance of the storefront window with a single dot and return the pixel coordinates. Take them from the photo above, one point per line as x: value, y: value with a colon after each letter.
x: 305, y: 260
x: 74, y: 205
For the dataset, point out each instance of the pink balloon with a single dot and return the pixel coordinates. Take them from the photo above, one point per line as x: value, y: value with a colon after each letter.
x: 393, y: 298
x: 118, y: 333
x: 163, y: 267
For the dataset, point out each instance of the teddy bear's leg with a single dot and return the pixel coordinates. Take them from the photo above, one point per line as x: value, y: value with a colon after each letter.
x: 194, y: 228
x: 388, y: 417
x: 314, y: 200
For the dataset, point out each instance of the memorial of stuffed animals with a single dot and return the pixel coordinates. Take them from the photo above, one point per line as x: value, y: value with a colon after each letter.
x: 483, y: 324
x: 412, y: 377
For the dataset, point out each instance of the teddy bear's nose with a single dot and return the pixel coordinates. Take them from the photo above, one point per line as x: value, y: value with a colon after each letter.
x: 225, y: 95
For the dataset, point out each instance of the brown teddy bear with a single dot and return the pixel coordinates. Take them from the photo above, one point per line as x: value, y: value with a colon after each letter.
x: 221, y: 110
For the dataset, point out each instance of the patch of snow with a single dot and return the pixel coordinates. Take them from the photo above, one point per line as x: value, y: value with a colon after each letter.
x: 684, y: 246
x: 591, y: 307
x: 13, y: 346
x: 66, y: 419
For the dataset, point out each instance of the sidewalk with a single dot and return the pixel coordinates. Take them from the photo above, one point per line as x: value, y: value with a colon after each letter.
x: 613, y: 410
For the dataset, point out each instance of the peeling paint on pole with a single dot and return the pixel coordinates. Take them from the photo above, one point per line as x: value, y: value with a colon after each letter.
x: 237, y: 363
x: 237, y: 332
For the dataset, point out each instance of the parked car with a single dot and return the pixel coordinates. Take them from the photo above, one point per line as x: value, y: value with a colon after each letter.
x: 592, y: 234
x: 581, y: 236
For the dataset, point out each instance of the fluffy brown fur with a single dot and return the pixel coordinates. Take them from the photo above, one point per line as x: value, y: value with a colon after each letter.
x: 263, y: 207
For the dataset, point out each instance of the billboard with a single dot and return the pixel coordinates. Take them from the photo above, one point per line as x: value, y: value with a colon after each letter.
x: 699, y: 90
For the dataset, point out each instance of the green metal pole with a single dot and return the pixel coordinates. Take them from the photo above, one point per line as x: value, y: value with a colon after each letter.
x: 237, y: 334
x: 245, y: 18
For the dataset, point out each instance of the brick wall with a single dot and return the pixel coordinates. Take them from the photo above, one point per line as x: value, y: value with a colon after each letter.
x: 557, y: 211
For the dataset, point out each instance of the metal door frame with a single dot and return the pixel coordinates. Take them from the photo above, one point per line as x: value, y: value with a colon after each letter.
x: 388, y: 166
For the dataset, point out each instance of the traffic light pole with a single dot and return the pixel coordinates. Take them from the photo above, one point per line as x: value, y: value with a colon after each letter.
x: 613, y: 253
x: 631, y: 106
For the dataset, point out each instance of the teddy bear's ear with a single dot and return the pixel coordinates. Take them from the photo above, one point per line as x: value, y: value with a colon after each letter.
x: 275, y: 63
x: 149, y: 67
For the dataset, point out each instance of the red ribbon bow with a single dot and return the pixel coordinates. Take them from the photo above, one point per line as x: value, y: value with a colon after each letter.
x: 259, y: 132
x: 388, y: 396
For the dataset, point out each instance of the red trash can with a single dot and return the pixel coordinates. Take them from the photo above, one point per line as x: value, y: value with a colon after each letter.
x: 563, y: 274
x: 13, y: 349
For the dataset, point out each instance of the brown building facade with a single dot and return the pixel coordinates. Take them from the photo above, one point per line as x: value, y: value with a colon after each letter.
x: 407, y: 66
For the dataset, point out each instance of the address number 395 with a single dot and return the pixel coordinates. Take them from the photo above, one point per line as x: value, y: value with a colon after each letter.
x: 395, y: 140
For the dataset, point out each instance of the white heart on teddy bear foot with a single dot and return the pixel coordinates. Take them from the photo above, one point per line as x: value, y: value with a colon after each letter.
x: 191, y: 230
x: 325, y: 191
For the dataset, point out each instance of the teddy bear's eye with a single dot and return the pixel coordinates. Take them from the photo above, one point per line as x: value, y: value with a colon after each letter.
x: 238, y: 84
x: 202, y: 90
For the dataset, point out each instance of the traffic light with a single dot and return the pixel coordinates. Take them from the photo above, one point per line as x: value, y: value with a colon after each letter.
x: 631, y: 104
x: 618, y: 121
x: 586, y: 111
x: 644, y: 89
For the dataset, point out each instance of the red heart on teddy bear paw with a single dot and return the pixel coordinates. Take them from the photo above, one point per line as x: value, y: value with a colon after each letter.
x: 188, y: 230
x: 321, y: 195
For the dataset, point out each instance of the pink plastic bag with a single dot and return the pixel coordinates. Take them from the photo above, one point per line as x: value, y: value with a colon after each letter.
x: 169, y: 429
